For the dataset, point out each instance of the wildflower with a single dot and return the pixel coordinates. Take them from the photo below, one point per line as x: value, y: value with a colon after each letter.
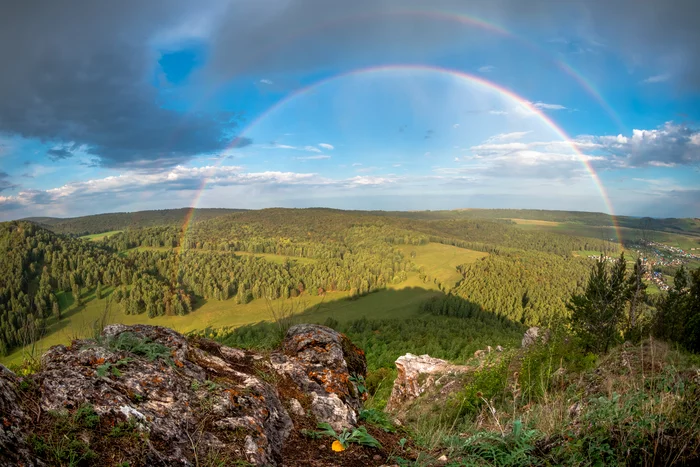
x: 337, y: 446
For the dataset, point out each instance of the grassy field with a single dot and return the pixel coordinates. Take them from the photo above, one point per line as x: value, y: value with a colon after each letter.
x: 399, y: 300
x: 535, y: 222
x: 440, y: 261
x: 100, y: 236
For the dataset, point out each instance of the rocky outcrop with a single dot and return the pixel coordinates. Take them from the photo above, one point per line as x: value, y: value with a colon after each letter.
x: 417, y: 374
x: 322, y: 363
x: 421, y: 374
x: 534, y: 335
x: 187, y: 398
x: 13, y: 444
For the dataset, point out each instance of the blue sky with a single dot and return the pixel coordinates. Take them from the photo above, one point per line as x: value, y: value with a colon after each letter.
x: 370, y: 105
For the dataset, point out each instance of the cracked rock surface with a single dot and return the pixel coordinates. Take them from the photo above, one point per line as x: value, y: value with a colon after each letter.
x: 185, y: 398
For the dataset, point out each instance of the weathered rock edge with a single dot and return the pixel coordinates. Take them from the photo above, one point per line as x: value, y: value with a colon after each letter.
x: 235, y: 401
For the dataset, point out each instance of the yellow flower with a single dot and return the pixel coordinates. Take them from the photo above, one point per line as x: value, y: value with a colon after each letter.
x: 337, y: 446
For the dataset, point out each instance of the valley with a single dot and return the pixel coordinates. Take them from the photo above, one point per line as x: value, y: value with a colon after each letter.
x: 448, y: 284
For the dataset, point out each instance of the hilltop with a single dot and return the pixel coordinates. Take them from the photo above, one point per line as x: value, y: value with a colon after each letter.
x: 100, y: 223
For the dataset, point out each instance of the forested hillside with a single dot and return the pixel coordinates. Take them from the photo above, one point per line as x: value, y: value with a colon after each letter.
x: 125, y: 220
x: 168, y: 270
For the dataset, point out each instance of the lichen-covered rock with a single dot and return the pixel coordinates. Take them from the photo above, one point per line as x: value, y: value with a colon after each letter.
x: 189, y: 397
x: 416, y: 373
x: 13, y: 446
x: 323, y: 363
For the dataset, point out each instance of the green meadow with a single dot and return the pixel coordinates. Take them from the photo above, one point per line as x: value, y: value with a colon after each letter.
x: 440, y: 261
x: 100, y: 236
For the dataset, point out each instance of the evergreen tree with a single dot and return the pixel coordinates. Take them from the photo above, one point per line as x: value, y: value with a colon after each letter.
x: 637, y: 294
x: 597, y: 313
x: 56, y: 310
x: 76, y: 294
x: 98, y: 291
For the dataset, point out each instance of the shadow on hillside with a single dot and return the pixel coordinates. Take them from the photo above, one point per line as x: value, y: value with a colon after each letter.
x: 385, y: 304
x: 390, y: 323
x: 67, y: 301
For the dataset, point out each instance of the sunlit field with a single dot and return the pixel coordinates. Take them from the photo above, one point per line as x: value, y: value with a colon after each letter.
x: 440, y: 261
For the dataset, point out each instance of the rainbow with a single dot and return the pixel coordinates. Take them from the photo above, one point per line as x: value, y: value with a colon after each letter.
x: 464, y: 19
x: 413, y: 68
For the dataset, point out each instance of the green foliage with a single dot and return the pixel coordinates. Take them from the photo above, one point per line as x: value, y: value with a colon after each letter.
x: 596, y: 314
x: 359, y: 382
x: 62, y: 444
x: 545, y: 365
x: 486, y: 385
x: 515, y: 448
x: 378, y: 419
x: 678, y: 316
x: 112, y: 368
x: 144, y: 347
x: 126, y: 429
x: 347, y: 437
x: 384, y: 340
x: 624, y: 431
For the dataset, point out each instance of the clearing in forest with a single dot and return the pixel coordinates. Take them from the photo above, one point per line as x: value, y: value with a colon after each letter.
x: 440, y: 261
x: 534, y: 222
x: 100, y: 236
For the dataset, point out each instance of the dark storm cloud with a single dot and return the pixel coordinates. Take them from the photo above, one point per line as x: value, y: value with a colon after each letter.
x: 57, y: 154
x: 317, y: 34
x: 5, y: 183
x: 81, y: 72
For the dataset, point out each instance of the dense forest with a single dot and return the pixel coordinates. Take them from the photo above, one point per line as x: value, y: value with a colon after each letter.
x: 100, y: 223
x: 120, y: 221
x: 158, y: 265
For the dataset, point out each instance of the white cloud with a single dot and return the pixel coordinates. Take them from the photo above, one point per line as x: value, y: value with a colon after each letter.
x: 266, y: 81
x: 396, y: 165
x: 427, y: 154
x: 326, y: 146
x: 545, y: 106
x: 308, y: 148
x: 312, y: 158
x: 367, y: 180
x: 356, y: 164
x: 486, y: 69
x: 498, y: 112
x: 657, y: 78
x: 456, y: 125
x: 667, y: 146
x: 508, y: 136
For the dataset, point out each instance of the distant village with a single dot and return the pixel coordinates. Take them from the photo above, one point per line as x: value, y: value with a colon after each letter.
x: 656, y: 255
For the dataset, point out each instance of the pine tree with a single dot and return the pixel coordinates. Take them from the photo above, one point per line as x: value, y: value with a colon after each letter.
x: 76, y: 294
x: 597, y: 313
x: 637, y: 294
x: 98, y: 291
x: 56, y: 310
